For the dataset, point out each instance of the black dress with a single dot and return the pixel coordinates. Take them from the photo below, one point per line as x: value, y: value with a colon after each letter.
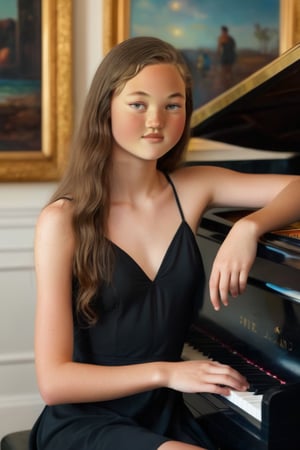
x: 141, y: 320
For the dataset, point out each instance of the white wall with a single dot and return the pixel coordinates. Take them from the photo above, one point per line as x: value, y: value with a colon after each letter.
x: 20, y: 204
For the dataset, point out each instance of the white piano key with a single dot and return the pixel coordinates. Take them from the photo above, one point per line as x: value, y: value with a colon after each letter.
x: 247, y: 401
x: 189, y: 353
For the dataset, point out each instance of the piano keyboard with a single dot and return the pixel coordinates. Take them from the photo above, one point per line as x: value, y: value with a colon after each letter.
x: 249, y: 401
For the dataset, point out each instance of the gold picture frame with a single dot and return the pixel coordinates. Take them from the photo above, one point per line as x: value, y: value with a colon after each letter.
x: 116, y: 15
x: 48, y: 162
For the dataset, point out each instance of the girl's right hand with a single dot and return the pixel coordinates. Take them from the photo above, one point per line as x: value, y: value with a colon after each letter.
x: 204, y: 376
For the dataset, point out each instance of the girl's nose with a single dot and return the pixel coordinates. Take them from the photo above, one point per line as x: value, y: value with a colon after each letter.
x: 154, y: 119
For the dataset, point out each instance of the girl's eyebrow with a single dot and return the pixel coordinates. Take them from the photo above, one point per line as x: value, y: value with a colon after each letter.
x: 142, y: 93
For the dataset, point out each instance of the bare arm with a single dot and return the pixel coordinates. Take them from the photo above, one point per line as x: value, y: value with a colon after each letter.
x: 237, y: 253
x: 276, y: 198
x: 61, y: 379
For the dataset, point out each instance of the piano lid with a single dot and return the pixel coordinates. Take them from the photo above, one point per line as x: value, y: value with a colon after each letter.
x: 262, y: 112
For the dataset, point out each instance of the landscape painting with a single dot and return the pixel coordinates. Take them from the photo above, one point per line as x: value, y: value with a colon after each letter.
x: 20, y: 75
x: 223, y: 42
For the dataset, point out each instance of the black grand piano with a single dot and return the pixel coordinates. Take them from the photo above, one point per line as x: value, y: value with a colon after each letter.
x: 254, y: 127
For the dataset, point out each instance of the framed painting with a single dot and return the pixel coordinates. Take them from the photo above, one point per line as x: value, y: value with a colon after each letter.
x: 222, y: 42
x: 35, y: 88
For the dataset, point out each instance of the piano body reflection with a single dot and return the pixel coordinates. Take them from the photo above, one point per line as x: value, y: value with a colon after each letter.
x: 254, y: 127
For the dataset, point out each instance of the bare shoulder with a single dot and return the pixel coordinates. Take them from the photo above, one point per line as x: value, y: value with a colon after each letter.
x: 200, y: 179
x: 201, y: 187
x: 194, y: 188
x: 58, y: 213
x: 197, y: 175
x: 211, y: 186
x: 55, y: 221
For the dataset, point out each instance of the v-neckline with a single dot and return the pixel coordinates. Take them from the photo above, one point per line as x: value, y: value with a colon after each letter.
x: 151, y: 280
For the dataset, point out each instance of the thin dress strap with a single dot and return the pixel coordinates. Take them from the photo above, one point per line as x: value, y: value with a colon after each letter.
x: 175, y: 194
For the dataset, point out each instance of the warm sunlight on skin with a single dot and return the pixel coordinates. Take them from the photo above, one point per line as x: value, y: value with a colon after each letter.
x: 148, y: 115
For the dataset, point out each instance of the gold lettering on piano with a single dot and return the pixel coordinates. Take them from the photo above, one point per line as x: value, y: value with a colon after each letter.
x: 271, y: 336
x: 282, y: 342
x: 250, y: 325
x: 276, y: 337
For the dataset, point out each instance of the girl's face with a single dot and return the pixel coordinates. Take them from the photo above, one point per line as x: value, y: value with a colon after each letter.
x: 148, y: 115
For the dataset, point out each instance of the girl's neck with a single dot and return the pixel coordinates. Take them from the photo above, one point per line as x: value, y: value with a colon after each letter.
x: 133, y: 184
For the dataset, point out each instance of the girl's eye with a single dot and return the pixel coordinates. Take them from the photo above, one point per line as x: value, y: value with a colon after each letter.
x: 174, y: 106
x: 137, y: 105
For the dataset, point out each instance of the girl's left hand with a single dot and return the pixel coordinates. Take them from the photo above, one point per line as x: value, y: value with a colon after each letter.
x: 232, y: 263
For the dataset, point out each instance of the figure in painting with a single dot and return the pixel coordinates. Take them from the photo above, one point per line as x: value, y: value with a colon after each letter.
x: 227, y: 55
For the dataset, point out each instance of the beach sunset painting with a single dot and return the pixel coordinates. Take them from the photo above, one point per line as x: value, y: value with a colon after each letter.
x: 195, y: 27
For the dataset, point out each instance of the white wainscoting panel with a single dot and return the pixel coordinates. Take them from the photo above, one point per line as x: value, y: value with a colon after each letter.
x: 20, y: 402
x: 18, y: 412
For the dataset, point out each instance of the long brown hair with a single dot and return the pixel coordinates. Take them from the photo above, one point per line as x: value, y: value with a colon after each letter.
x: 86, y: 179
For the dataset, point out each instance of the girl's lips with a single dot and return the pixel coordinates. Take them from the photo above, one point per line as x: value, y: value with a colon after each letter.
x: 153, y: 136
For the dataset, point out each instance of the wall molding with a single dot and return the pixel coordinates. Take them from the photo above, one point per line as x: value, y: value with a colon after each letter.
x: 24, y: 216
x: 16, y: 358
x: 21, y: 400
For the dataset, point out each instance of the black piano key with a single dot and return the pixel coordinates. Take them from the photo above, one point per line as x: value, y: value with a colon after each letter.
x: 259, y: 381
